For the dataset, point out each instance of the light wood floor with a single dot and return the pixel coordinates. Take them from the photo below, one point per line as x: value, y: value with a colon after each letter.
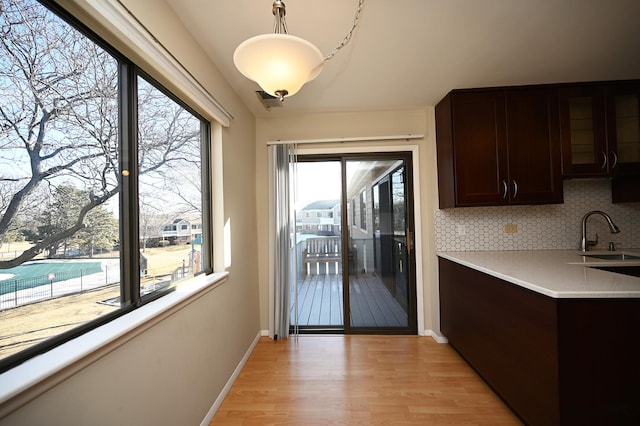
x: 359, y: 380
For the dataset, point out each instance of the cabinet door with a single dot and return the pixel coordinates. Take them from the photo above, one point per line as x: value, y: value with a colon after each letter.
x: 623, y: 128
x: 625, y: 189
x: 533, y: 135
x: 508, y: 334
x: 479, y: 148
x: 582, y: 126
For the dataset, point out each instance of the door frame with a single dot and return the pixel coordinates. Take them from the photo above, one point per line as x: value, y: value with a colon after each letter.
x: 406, y: 157
x: 310, y: 149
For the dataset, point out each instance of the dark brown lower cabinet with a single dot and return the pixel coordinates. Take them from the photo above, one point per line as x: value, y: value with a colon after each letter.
x: 553, y: 361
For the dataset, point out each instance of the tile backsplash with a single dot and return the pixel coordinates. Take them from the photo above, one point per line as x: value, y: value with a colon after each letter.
x: 544, y: 227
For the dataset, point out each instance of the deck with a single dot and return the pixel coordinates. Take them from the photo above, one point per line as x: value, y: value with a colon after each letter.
x: 320, y: 302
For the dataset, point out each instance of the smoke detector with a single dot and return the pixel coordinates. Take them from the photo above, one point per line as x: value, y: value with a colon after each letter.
x: 267, y: 100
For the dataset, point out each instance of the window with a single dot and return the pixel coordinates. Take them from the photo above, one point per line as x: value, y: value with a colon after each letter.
x: 100, y: 166
x: 398, y: 192
x: 363, y: 210
x: 353, y: 212
x: 375, y: 196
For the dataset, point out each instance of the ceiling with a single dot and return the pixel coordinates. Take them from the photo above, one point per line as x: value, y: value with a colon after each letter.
x: 408, y: 54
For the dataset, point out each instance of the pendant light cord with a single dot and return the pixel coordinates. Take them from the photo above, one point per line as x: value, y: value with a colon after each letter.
x: 347, y: 38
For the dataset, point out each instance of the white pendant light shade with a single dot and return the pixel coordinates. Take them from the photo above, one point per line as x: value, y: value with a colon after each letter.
x: 280, y: 63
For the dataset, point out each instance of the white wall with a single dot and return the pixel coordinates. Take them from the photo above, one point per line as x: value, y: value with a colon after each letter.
x: 355, y: 124
x: 172, y: 372
x: 539, y: 227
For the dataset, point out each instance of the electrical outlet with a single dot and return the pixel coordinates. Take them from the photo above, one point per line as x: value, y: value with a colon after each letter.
x: 510, y: 228
x: 461, y: 230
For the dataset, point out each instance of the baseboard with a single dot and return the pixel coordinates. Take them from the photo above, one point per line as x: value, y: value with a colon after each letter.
x: 439, y: 338
x: 227, y: 387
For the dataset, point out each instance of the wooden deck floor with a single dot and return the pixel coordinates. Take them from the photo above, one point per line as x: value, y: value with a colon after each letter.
x: 320, y: 302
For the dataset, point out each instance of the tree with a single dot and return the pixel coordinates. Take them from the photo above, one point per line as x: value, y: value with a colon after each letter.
x: 58, y: 114
x: 166, y: 128
x: 100, y: 231
x: 59, y: 215
x: 59, y: 123
x: 153, y: 218
x: 173, y: 190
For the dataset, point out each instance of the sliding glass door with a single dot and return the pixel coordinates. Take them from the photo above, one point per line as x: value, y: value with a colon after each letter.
x: 317, y: 300
x: 381, y: 294
x: 356, y: 270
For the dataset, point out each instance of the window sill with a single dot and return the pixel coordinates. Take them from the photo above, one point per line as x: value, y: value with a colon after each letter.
x: 20, y: 384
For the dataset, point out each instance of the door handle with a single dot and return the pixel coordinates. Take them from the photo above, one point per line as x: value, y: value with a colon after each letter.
x: 615, y: 159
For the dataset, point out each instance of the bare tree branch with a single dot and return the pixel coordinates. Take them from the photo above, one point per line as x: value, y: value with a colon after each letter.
x: 59, y: 125
x: 37, y: 248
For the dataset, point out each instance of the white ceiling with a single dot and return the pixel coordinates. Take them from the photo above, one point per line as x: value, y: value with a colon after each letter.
x: 409, y: 53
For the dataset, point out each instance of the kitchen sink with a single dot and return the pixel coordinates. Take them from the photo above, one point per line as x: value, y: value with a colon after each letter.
x: 614, y: 256
x: 618, y: 262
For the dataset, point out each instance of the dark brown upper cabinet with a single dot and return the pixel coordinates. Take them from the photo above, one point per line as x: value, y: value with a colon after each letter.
x: 499, y: 147
x: 600, y: 127
x: 623, y: 128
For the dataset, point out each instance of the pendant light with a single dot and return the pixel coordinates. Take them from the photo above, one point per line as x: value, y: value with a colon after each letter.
x: 281, y: 63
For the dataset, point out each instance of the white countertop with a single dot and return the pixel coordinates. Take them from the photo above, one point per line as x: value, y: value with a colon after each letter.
x: 554, y: 273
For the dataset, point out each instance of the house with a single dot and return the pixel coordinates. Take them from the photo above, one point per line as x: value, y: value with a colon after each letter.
x: 175, y: 367
x: 320, y: 218
x: 181, y: 231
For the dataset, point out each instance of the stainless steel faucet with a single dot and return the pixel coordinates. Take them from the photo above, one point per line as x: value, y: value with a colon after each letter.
x: 585, y: 243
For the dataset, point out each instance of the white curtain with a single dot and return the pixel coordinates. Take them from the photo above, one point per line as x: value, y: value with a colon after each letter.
x: 284, y: 238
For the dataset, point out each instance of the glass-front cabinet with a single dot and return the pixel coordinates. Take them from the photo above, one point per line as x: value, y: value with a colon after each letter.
x: 623, y: 128
x: 600, y: 125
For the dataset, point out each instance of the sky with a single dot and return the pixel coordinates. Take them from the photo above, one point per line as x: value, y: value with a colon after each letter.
x: 317, y: 181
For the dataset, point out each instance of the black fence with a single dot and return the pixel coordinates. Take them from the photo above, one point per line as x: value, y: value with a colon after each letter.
x: 23, y: 291
x: 15, y: 293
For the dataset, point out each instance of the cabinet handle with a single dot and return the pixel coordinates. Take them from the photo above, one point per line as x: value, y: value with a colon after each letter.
x: 604, y: 160
x: 615, y: 159
x: 515, y: 188
x: 505, y: 188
